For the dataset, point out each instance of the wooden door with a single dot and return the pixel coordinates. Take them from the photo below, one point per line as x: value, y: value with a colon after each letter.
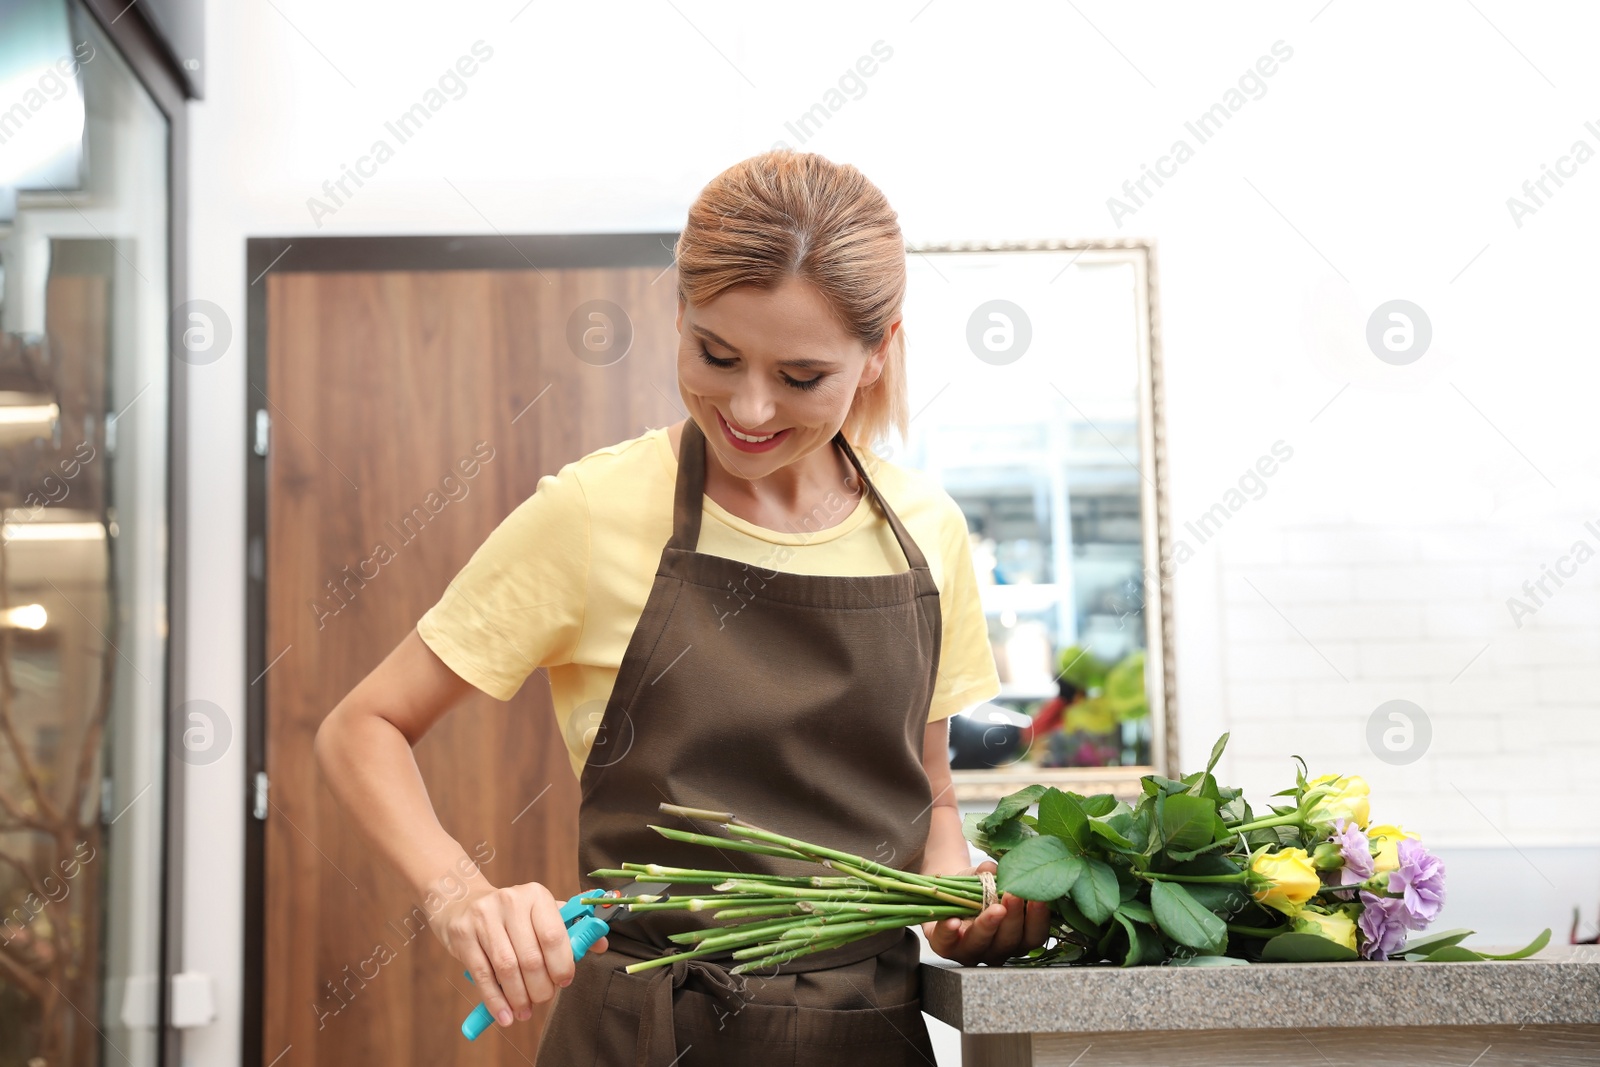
x: 378, y: 383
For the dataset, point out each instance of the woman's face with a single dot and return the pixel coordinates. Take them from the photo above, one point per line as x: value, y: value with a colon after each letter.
x: 775, y: 365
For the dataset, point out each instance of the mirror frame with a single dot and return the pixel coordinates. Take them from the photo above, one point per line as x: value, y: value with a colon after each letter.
x: 1160, y: 684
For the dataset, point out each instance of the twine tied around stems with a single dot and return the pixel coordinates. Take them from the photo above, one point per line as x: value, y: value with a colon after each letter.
x: 990, y: 894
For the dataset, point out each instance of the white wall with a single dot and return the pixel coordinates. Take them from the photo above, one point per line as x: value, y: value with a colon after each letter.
x: 1376, y: 166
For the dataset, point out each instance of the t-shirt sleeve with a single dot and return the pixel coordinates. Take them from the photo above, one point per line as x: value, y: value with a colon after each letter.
x: 967, y: 673
x: 518, y: 604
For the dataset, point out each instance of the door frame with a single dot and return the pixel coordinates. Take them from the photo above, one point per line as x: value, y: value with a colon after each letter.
x: 281, y: 255
x: 153, y: 65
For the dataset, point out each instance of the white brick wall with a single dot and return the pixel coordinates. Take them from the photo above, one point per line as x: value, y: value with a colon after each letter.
x: 1415, y: 613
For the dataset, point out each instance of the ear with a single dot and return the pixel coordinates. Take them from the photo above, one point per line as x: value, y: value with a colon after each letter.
x: 879, y: 356
x: 680, y: 314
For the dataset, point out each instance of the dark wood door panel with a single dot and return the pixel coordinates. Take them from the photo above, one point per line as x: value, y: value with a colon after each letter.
x: 381, y: 385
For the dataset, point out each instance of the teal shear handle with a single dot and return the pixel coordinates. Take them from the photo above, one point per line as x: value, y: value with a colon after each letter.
x: 583, y: 927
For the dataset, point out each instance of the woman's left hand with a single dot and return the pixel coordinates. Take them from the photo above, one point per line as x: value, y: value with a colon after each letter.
x: 1009, y: 928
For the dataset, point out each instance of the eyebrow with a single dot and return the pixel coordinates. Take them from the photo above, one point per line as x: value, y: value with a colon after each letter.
x: 806, y: 363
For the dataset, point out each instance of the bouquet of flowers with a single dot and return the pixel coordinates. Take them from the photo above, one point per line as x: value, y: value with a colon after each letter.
x: 1189, y: 875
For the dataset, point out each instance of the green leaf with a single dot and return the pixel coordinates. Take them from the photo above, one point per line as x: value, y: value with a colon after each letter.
x: 1076, y: 919
x: 1040, y: 868
x: 1426, y: 944
x: 1447, y: 954
x: 1195, y: 853
x: 1137, y: 911
x: 1202, y: 784
x: 1156, y: 785
x: 1098, y: 804
x: 1527, y: 951
x: 1206, y: 961
x: 1007, y: 836
x: 1143, y: 945
x: 1188, y: 822
x: 1216, y: 752
x: 1305, y: 948
x: 1126, y: 882
x: 1536, y: 945
x: 1011, y: 805
x: 1224, y: 900
x: 1208, y: 864
x: 1185, y: 919
x: 1060, y: 816
x: 1103, y: 829
x: 1276, y: 837
x: 1446, y: 947
x: 1096, y: 893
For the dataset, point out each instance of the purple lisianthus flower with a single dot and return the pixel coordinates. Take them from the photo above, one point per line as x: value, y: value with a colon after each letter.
x: 1356, y: 854
x: 1355, y: 851
x: 1384, y: 923
x: 1420, y: 879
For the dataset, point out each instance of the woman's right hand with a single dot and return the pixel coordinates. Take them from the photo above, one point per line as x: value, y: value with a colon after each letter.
x: 513, y: 943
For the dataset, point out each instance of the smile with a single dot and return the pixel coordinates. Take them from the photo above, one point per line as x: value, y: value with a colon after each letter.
x: 749, y: 442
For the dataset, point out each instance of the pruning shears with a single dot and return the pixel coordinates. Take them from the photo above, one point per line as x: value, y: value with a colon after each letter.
x: 587, y: 919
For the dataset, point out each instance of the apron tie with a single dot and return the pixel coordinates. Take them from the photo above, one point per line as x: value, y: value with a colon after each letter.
x: 657, y: 1045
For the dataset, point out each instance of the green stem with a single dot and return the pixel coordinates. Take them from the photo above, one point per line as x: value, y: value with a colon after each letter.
x: 864, y: 894
x: 734, y: 937
x: 1203, y: 879
x: 907, y: 887
x: 768, y: 925
x: 798, y: 907
x: 1292, y: 818
x: 699, y: 903
x: 726, y: 842
x: 845, y: 908
x: 696, y: 874
x: 781, y: 957
x: 790, y: 845
x: 644, y: 965
x: 1257, y: 931
x: 860, y: 927
x: 1351, y: 888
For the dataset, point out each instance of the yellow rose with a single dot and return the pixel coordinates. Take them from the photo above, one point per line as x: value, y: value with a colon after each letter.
x: 1385, y: 841
x: 1338, y: 928
x: 1347, y: 800
x: 1292, y: 880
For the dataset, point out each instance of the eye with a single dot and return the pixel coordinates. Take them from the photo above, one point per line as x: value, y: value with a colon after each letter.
x: 807, y: 383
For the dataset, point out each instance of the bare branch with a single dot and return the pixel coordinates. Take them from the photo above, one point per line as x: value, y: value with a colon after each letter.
x: 23, y: 975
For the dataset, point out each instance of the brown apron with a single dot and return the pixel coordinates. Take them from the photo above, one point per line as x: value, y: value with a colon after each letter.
x: 799, y: 703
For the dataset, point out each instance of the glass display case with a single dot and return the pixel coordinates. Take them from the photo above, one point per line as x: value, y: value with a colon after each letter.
x: 85, y: 427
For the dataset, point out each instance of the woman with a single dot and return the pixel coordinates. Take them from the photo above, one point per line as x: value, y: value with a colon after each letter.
x: 791, y: 659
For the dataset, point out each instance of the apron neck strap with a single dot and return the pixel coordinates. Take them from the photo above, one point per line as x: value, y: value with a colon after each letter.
x: 691, y: 486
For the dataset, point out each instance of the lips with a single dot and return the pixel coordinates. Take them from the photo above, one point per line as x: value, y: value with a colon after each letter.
x: 749, y: 446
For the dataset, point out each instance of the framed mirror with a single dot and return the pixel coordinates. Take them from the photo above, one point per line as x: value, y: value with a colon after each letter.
x: 1035, y: 384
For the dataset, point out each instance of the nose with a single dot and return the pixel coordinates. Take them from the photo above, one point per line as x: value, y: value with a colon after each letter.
x: 752, y: 407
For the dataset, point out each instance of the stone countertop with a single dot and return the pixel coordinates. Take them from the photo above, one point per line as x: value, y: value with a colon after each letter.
x: 1560, y: 985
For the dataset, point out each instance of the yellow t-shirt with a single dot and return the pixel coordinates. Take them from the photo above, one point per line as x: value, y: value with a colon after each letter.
x: 562, y: 581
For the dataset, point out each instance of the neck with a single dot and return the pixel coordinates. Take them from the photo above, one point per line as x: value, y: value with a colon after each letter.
x: 796, y: 487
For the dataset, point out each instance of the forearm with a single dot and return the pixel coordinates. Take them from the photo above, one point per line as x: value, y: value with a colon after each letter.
x: 372, y: 772
x: 946, y: 851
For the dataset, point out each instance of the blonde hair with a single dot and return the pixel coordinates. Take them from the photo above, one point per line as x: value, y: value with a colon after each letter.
x: 785, y: 214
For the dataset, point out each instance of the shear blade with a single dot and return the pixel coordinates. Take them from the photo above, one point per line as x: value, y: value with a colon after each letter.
x: 612, y: 913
